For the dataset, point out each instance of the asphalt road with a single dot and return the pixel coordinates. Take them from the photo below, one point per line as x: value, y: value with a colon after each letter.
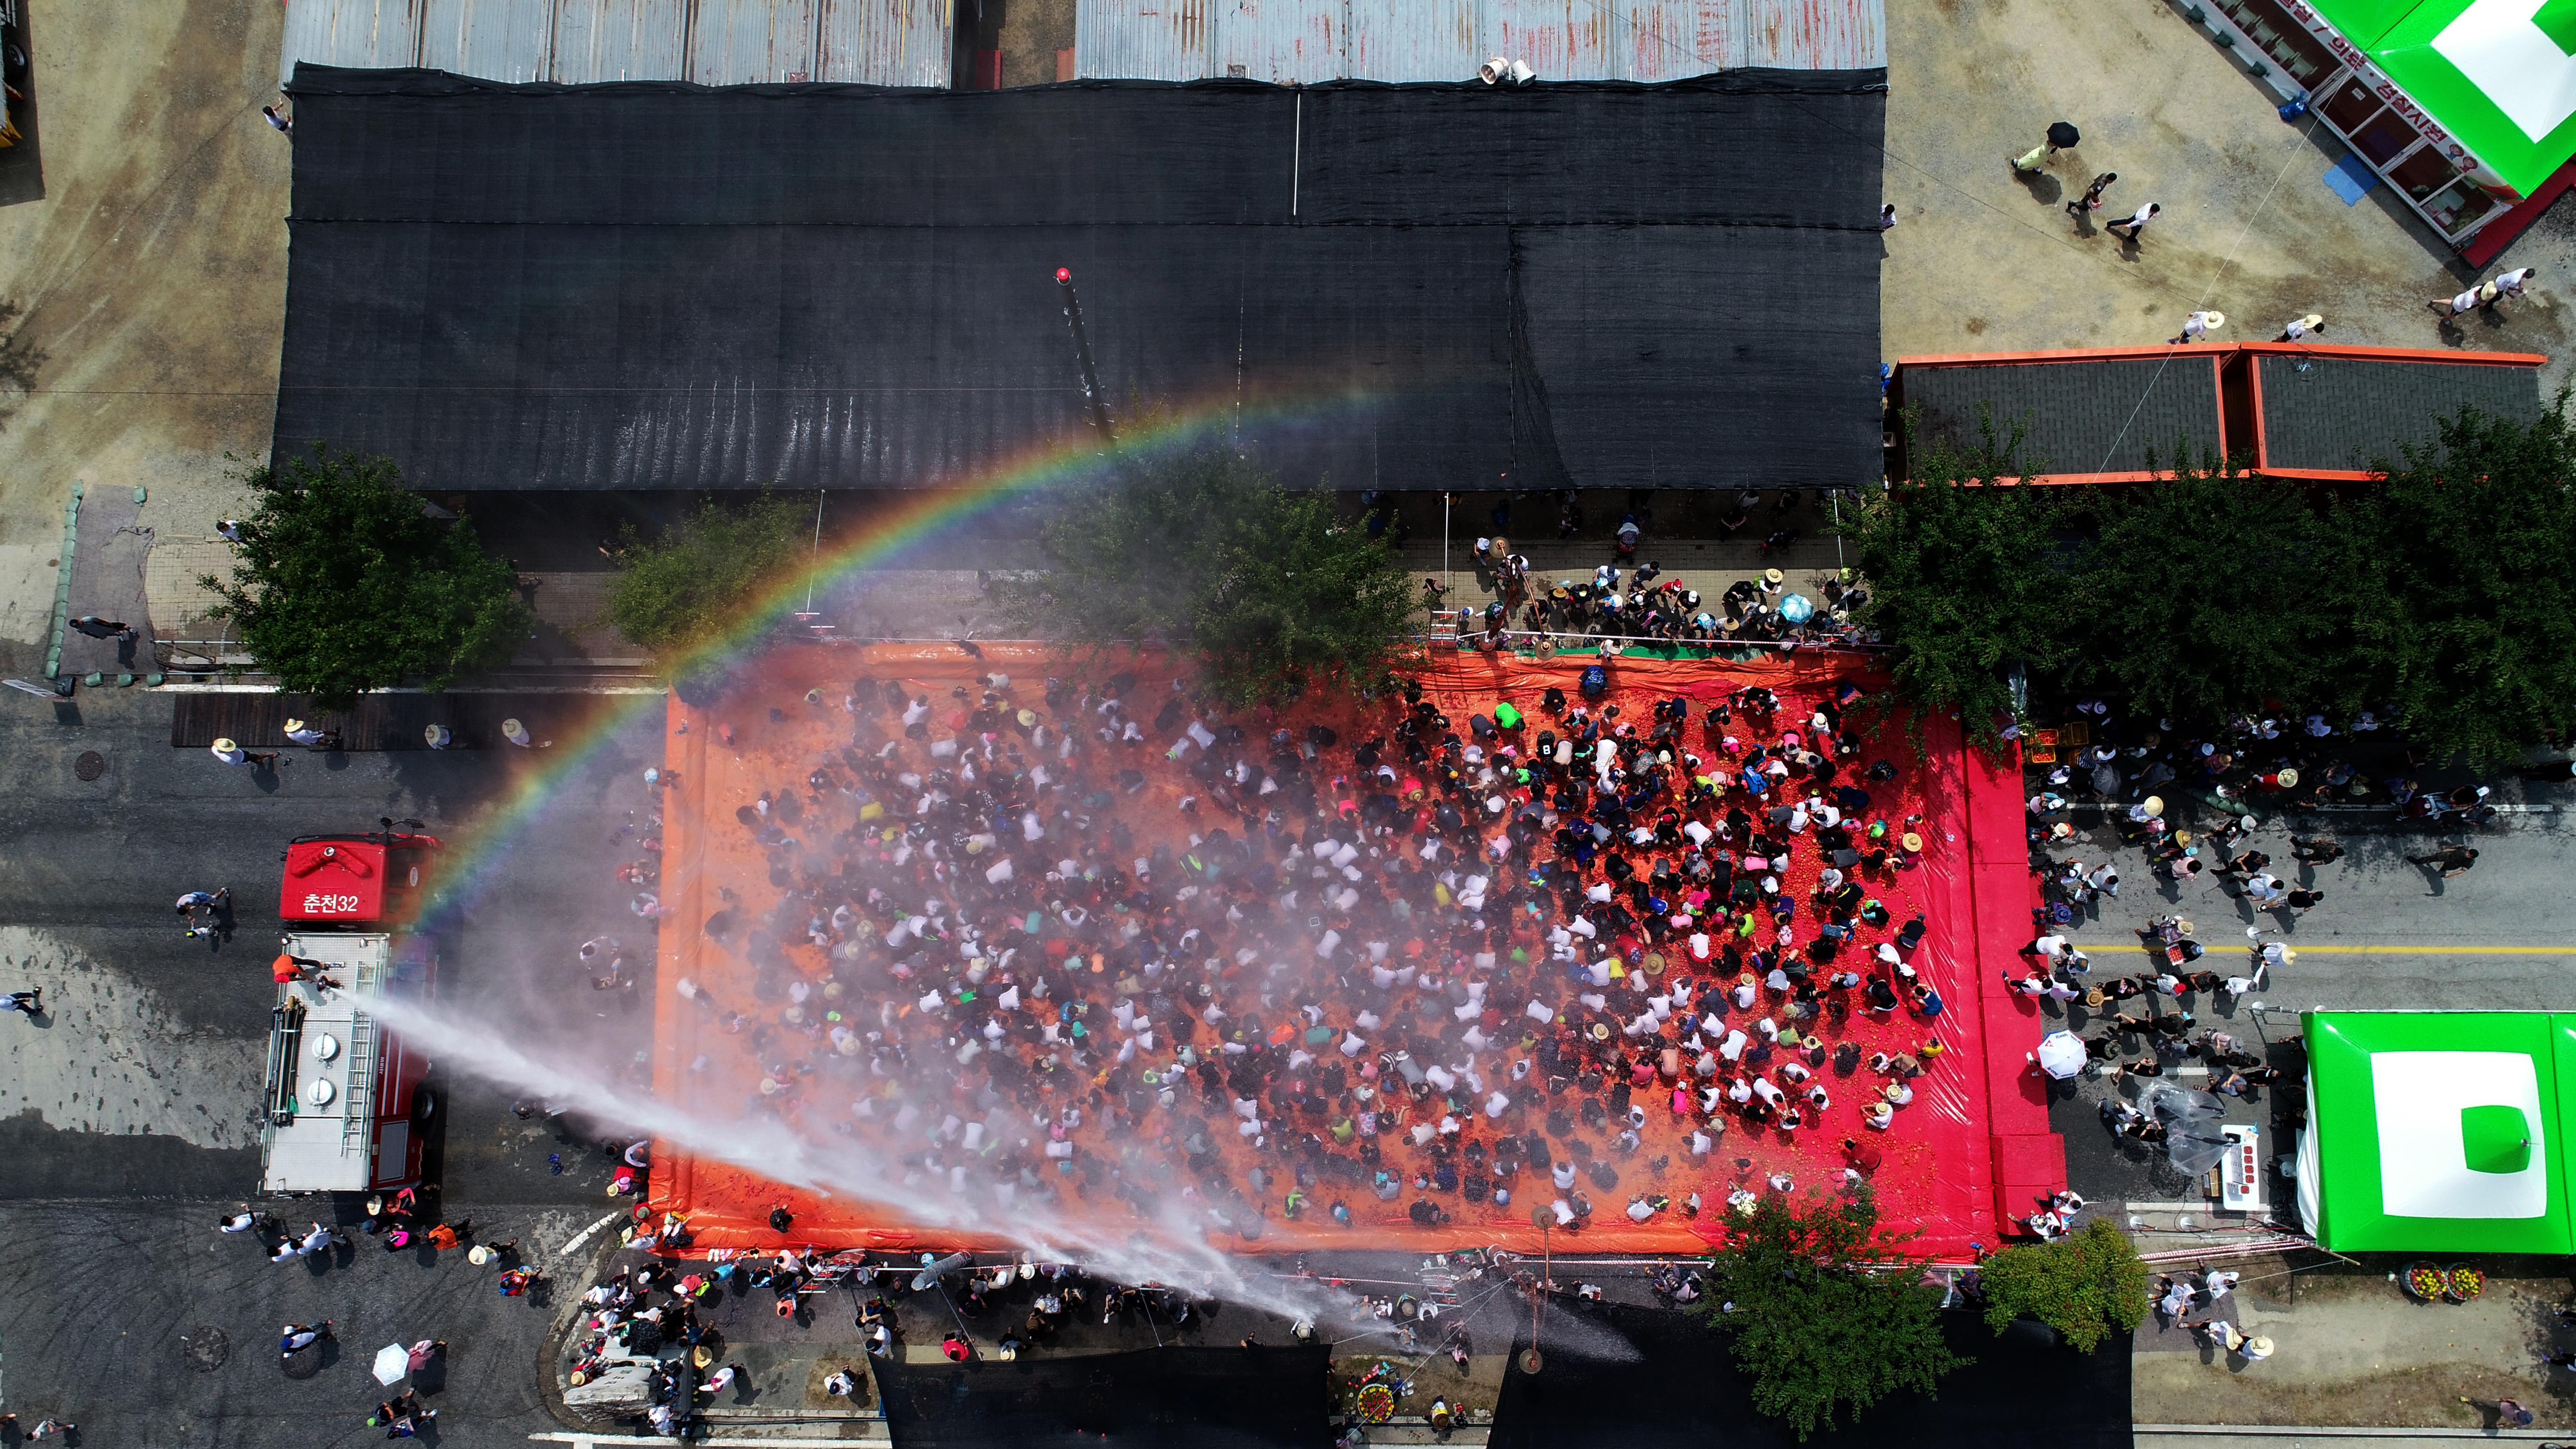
x: 2389, y: 935
x: 127, y: 1116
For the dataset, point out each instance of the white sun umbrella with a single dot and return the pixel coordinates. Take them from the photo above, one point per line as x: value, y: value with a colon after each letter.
x: 392, y: 1362
x: 2061, y: 1054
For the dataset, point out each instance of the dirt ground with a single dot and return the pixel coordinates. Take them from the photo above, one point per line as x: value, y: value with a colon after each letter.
x: 1984, y: 261
x: 151, y: 278
x: 2353, y: 1349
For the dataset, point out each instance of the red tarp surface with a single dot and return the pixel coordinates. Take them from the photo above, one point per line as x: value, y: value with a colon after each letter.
x: 1969, y: 1134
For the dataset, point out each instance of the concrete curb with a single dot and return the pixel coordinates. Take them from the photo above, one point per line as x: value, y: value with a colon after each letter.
x: 2317, y: 1431
x: 63, y: 581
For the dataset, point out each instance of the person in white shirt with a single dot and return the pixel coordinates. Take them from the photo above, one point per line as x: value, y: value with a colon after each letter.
x: 2197, y: 326
x: 2303, y: 327
x: 2468, y: 301
x: 2136, y: 222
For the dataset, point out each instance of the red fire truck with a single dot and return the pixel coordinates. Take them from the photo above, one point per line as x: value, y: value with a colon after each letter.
x: 344, y: 1105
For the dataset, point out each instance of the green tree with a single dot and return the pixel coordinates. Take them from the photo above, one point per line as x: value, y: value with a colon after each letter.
x: 2204, y: 593
x: 343, y: 584
x: 2087, y: 1285
x: 1825, y: 1312
x: 1205, y: 550
x: 1962, y: 581
x: 694, y: 580
x: 2465, y: 560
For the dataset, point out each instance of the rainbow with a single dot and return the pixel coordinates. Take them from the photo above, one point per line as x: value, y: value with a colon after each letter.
x: 471, y: 865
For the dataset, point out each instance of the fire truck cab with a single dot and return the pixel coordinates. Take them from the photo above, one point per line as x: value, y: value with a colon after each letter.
x: 343, y: 1103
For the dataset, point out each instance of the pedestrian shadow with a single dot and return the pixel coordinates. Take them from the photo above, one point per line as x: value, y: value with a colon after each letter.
x: 312, y: 1359
x: 2043, y: 187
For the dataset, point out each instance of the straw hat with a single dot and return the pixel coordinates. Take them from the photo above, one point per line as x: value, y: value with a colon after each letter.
x: 2155, y: 806
x: 1772, y: 576
x: 224, y: 747
x: 1028, y: 718
x: 478, y: 1255
x: 2288, y: 777
x: 1912, y: 841
x: 1654, y: 963
x: 2213, y: 320
x: 2288, y: 955
x: 292, y: 725
x: 2260, y: 1346
x: 1600, y: 1031
x: 701, y: 1355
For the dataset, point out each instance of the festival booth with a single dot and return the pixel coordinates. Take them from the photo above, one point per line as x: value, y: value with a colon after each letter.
x: 2463, y: 106
x: 2437, y: 1131
x: 1969, y: 1158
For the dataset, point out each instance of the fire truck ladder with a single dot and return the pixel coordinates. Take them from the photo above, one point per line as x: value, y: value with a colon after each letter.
x: 357, y: 1103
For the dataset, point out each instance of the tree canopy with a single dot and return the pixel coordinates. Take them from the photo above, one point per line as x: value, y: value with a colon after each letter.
x: 692, y: 582
x: 1825, y: 1312
x: 2087, y: 1285
x: 2205, y: 592
x: 1960, y: 578
x: 2464, y: 597
x: 1206, y: 551
x: 2441, y: 593
x: 343, y: 584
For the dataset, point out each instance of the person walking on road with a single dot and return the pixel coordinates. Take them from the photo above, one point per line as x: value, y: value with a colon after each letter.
x: 2091, y: 200
x: 2509, y: 1413
x: 2302, y: 328
x: 2319, y: 851
x: 233, y: 754
x: 2136, y: 222
x: 30, y: 1002
x: 98, y: 628
x: 296, y: 1337
x: 2197, y: 326
x: 2450, y: 859
x: 2450, y: 308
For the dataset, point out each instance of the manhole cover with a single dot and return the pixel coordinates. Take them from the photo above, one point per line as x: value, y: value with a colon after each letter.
x: 206, y: 1348
x: 90, y: 765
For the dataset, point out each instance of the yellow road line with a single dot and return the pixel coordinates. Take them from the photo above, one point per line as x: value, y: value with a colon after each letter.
x: 2428, y: 950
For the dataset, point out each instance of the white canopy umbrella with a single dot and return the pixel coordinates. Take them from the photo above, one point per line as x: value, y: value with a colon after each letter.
x: 2061, y: 1054
x: 392, y: 1362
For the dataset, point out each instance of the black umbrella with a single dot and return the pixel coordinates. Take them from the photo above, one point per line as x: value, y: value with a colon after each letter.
x: 2063, y: 133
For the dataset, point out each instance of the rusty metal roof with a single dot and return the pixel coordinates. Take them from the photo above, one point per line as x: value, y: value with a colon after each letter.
x: 711, y: 42
x: 1298, y: 41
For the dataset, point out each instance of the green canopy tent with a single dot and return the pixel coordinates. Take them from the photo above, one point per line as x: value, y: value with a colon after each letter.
x: 2438, y: 1131
x: 2464, y: 106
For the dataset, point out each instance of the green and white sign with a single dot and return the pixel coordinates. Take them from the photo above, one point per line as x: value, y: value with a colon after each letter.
x: 2438, y: 1131
x: 2499, y: 76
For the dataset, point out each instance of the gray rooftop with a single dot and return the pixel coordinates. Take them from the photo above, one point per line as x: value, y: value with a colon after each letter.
x: 2081, y: 414
x: 2350, y: 412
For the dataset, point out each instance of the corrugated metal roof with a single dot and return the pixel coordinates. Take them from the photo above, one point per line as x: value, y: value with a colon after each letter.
x: 614, y: 40
x: 1426, y: 40
x: 729, y: 42
x: 887, y: 42
x: 503, y: 40
x: 753, y: 42
x: 362, y: 33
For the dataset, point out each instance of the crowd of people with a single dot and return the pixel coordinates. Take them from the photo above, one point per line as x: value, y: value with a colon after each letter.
x: 1614, y: 606
x: 397, y: 1221
x: 1478, y: 964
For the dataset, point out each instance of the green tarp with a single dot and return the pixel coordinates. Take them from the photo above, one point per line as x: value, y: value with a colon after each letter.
x: 2439, y: 1131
